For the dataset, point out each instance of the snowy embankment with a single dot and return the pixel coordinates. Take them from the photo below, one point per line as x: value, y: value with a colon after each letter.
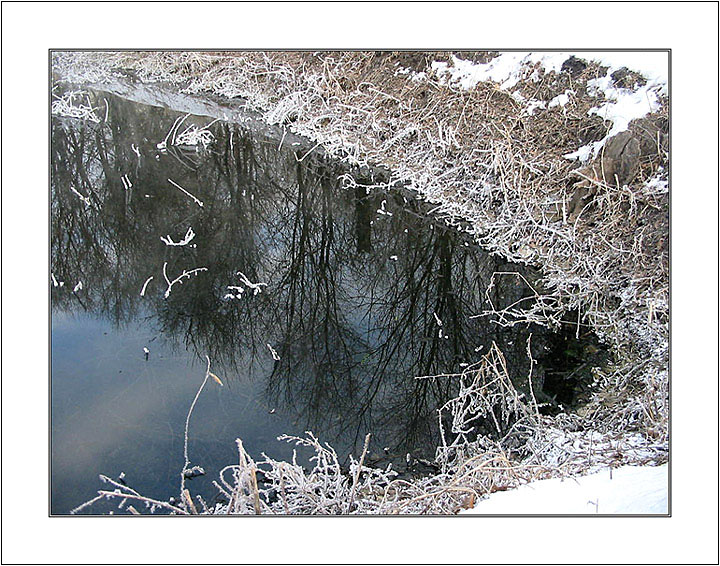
x: 621, y: 106
x: 630, y: 490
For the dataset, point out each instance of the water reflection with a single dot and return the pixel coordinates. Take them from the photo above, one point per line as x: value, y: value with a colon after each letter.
x: 362, y: 291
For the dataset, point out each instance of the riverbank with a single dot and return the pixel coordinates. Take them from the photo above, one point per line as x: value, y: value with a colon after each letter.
x: 497, y: 145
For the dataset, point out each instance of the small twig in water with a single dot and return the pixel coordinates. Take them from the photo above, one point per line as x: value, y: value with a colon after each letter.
x: 183, y: 491
x: 189, y: 235
x: 173, y: 129
x: 83, y: 198
x: 142, y: 293
x: 273, y: 352
x: 256, y: 287
x: 179, y: 278
x: 197, y: 201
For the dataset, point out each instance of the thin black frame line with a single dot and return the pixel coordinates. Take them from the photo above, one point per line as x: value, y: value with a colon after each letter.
x: 570, y: 50
x: 356, y: 50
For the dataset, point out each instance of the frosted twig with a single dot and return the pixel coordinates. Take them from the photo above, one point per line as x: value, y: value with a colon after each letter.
x: 124, y: 492
x: 142, y: 293
x: 65, y: 106
x: 382, y: 210
x: 179, y: 278
x: 197, y: 201
x: 237, y: 295
x: 256, y: 287
x: 196, y: 136
x: 189, y: 235
x: 317, y: 145
x: 530, y: 385
x: 187, y: 427
x: 358, y: 470
x: 273, y: 352
x: 173, y: 129
x: 83, y: 198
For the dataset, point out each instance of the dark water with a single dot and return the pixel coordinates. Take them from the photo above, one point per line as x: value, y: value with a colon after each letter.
x: 351, y: 306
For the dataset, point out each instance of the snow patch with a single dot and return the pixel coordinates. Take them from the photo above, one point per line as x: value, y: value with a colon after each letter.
x: 656, y: 186
x: 507, y: 69
x: 561, y: 99
x: 625, y: 490
x: 584, y: 153
x: 623, y: 105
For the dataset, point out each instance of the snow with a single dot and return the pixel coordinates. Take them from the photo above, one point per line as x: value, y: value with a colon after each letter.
x: 635, y: 490
x: 561, y: 99
x: 656, y: 186
x: 653, y: 65
x: 508, y: 68
x: 623, y: 105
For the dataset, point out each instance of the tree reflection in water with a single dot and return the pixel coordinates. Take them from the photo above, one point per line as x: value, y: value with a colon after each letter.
x: 357, y: 301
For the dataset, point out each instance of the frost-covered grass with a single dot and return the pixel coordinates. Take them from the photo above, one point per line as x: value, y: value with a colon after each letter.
x: 498, y: 147
x: 74, y: 104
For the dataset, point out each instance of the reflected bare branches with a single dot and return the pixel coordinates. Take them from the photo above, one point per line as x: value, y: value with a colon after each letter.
x: 361, y: 291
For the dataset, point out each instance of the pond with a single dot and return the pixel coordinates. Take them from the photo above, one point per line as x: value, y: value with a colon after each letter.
x: 317, y: 297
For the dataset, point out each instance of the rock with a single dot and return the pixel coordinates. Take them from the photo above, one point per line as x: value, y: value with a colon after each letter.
x: 625, y: 78
x: 194, y: 472
x: 574, y: 66
x: 621, y: 158
x: 617, y: 165
x: 652, y: 135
